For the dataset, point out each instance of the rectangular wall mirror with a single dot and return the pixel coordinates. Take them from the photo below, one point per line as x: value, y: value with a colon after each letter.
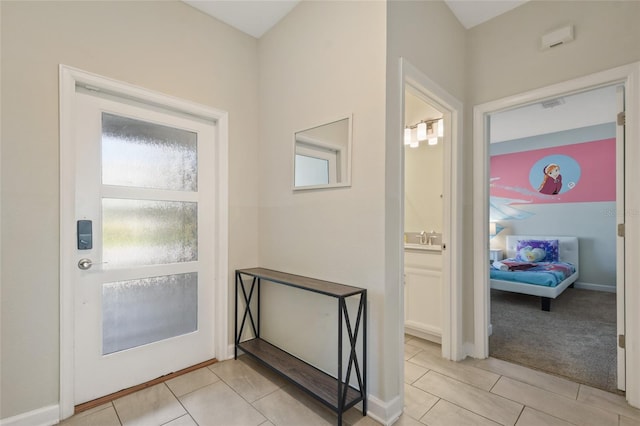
x: 322, y: 156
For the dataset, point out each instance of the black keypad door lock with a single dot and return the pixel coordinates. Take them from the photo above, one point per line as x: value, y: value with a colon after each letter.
x: 85, y: 235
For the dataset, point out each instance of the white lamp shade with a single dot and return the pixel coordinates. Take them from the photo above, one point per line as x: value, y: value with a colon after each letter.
x: 407, y: 136
x: 414, y: 138
x: 422, y: 131
x: 440, y: 128
x: 492, y: 228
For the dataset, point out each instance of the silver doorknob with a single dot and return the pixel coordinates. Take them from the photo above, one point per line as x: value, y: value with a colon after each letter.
x: 85, y: 264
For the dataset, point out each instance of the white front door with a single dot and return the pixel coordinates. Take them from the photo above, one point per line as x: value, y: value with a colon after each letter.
x: 144, y: 281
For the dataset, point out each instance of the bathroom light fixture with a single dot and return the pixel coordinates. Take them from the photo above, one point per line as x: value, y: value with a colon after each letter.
x: 429, y: 130
x: 440, y: 128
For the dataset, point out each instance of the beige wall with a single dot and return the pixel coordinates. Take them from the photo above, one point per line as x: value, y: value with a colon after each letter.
x: 423, y: 188
x: 504, y: 58
x: 312, y: 72
x: 164, y: 46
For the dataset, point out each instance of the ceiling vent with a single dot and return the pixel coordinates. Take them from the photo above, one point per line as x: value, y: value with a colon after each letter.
x: 552, y: 103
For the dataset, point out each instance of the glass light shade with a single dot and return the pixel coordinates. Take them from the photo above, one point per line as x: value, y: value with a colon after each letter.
x: 407, y: 135
x: 433, y: 141
x: 414, y: 138
x: 493, y: 228
x: 440, y: 128
x: 422, y: 131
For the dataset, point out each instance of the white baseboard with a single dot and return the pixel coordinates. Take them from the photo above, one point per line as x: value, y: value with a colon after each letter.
x: 229, y: 354
x: 595, y: 287
x: 385, y: 413
x: 45, y: 416
x: 430, y: 335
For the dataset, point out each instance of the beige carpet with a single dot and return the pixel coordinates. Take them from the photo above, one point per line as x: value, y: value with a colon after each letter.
x: 576, y: 340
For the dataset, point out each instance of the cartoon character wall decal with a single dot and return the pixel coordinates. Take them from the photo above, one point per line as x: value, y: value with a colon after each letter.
x: 552, y: 181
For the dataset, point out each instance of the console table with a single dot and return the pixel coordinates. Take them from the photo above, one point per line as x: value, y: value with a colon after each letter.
x: 336, y: 393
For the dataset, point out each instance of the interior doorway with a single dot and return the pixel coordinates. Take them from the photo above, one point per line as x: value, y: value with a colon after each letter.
x: 627, y: 222
x: 423, y: 217
x: 576, y: 136
x: 432, y: 94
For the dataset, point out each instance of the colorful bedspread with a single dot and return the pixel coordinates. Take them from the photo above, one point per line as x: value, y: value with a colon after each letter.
x: 548, y: 274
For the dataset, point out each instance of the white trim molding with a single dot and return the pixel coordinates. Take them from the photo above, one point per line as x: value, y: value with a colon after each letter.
x: 44, y: 416
x: 69, y: 79
x: 386, y: 414
x: 629, y: 76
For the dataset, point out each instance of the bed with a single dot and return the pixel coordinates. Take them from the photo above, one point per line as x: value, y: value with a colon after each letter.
x: 547, y: 290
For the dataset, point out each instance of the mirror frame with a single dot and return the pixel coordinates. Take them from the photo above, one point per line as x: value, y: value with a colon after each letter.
x: 346, y: 180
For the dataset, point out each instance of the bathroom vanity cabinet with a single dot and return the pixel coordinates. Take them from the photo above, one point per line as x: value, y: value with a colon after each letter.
x: 423, y: 293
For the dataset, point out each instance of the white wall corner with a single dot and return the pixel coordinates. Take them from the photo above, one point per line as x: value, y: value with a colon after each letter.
x: 45, y: 416
x: 384, y: 412
x: 229, y: 354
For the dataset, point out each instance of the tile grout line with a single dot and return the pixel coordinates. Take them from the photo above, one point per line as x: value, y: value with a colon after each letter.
x: 115, y: 410
x: 520, y: 414
x: 535, y: 385
x: 557, y: 395
x: 249, y: 402
x: 181, y: 404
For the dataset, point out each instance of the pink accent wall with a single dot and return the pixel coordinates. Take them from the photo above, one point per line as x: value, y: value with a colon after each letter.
x: 588, y: 173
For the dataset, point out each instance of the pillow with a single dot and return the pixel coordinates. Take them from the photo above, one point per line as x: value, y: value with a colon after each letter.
x: 537, y: 251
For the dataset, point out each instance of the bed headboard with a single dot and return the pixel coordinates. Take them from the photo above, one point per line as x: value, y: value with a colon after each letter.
x: 567, y: 251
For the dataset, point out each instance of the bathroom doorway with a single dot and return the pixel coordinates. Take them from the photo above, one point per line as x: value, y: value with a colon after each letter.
x: 423, y: 217
x: 449, y: 310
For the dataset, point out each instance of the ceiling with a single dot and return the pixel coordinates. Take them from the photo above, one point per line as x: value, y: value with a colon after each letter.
x: 256, y: 17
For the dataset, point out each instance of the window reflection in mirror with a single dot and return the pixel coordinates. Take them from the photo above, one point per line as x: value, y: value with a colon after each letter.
x: 322, y: 156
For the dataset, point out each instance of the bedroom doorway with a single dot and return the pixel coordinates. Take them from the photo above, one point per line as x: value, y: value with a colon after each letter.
x: 575, y: 135
x: 627, y: 270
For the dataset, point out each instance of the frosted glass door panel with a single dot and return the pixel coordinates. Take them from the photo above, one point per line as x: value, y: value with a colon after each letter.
x: 146, y: 232
x: 143, y: 311
x: 147, y: 155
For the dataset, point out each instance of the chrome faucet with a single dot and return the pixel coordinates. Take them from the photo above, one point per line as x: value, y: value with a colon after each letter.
x: 423, y: 237
x: 427, y: 238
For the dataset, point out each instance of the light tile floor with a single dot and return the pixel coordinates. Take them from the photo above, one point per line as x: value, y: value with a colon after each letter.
x: 437, y: 393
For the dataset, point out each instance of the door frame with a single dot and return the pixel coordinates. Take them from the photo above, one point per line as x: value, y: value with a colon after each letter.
x: 69, y: 78
x: 629, y: 76
x: 432, y: 93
